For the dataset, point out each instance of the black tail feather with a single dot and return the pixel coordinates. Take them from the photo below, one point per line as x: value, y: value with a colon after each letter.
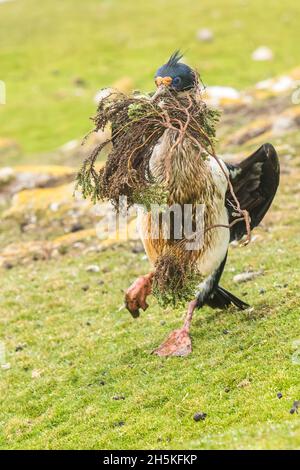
x: 221, y: 298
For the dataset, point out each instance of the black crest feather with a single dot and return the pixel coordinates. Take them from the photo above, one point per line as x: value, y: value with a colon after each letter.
x: 174, y: 59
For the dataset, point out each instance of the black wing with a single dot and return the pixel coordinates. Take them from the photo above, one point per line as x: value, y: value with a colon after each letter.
x: 255, y: 181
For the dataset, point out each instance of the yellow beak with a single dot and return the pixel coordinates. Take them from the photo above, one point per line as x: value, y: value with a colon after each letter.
x: 163, y: 81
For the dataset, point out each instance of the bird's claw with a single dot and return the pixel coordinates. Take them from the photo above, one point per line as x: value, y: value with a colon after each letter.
x: 178, y: 343
x: 133, y: 304
x: 135, y: 297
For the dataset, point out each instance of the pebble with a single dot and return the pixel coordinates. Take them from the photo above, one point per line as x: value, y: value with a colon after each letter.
x: 247, y: 276
x: 279, y: 395
x: 119, y: 397
x: 295, y: 407
x: 35, y: 374
x: 262, y: 54
x: 244, y: 383
x: 205, y: 35
x: 8, y: 265
x: 78, y: 245
x: 119, y: 423
x: 6, y: 175
x: 76, y: 227
x: 93, y: 268
x: 54, y: 206
x: 200, y: 416
x: 137, y: 249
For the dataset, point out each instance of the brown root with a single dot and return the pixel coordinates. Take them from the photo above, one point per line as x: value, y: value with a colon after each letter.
x: 137, y: 123
x: 175, y: 279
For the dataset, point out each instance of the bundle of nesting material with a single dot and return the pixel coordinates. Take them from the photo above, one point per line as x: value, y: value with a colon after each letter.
x: 137, y: 122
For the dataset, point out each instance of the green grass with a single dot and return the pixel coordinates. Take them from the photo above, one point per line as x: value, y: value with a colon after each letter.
x: 77, y: 340
x: 46, y: 45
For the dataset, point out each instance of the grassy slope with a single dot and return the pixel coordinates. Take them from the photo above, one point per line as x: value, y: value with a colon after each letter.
x: 76, y: 339
x: 46, y: 45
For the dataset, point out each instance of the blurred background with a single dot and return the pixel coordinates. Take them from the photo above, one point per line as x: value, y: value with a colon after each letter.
x: 56, y: 54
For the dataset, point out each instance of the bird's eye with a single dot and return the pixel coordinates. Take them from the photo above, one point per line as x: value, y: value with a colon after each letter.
x: 176, y: 81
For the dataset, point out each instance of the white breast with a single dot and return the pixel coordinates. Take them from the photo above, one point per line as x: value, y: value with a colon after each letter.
x: 213, y: 257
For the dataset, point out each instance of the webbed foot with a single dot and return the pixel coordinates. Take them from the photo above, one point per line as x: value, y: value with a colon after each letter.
x: 178, y: 343
x: 135, y: 297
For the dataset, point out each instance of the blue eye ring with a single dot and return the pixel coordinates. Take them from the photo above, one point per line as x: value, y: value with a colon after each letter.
x: 176, y: 81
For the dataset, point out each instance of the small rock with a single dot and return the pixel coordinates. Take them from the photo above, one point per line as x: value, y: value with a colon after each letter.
x: 247, y: 276
x: 78, y: 245
x: 35, y: 374
x: 119, y: 397
x: 217, y: 94
x: 6, y: 175
x: 76, y: 227
x: 200, y: 416
x: 20, y: 347
x: 226, y: 332
x: 262, y: 291
x: 262, y: 53
x: 79, y: 82
x: 93, y: 268
x: 162, y: 322
x: 244, y: 383
x: 205, y: 35
x: 54, y: 206
x: 279, y: 395
x: 118, y: 424
x: 137, y: 249
x: 295, y: 407
x: 282, y: 124
x: 85, y: 288
x: 227, y: 390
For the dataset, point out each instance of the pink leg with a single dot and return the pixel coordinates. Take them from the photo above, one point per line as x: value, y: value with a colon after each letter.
x: 135, y: 297
x: 179, y: 342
